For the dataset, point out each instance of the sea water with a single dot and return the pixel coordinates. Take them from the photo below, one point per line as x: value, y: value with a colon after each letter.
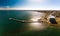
x: 14, y: 28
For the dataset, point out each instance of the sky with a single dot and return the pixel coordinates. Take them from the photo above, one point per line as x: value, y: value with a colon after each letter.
x: 31, y: 4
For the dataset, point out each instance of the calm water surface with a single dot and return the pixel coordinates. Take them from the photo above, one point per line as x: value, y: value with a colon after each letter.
x: 14, y: 28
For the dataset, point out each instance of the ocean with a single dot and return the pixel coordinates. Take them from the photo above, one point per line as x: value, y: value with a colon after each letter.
x: 15, y: 28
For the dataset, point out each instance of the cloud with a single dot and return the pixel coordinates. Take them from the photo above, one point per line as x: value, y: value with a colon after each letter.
x: 37, y: 1
x: 33, y: 3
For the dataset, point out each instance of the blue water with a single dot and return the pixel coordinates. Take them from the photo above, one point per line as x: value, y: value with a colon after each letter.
x: 13, y: 28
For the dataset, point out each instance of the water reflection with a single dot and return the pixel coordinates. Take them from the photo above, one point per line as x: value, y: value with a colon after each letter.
x: 33, y: 19
x: 35, y: 25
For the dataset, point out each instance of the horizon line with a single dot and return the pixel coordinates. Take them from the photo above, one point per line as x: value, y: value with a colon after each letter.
x: 27, y: 9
